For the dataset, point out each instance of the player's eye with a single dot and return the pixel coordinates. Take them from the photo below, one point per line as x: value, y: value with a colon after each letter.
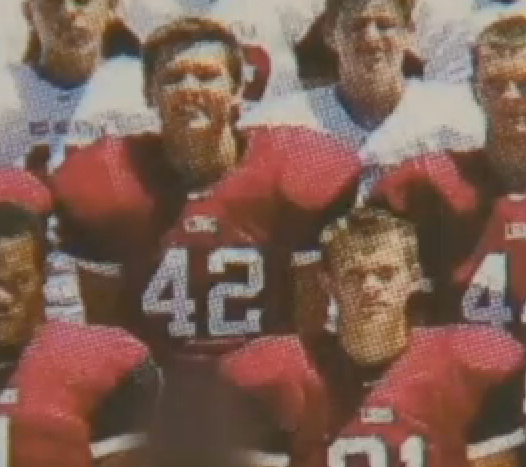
x: 385, y: 24
x: 22, y: 280
x: 208, y: 75
x: 386, y: 273
x: 354, y: 275
x: 496, y: 85
x: 172, y: 78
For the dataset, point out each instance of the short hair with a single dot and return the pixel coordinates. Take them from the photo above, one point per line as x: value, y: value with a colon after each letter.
x: 509, y: 32
x: 334, y: 7
x: 367, y: 222
x: 17, y: 220
x: 190, y: 30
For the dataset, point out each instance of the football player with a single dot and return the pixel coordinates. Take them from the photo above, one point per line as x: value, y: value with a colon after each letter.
x: 230, y: 205
x: 382, y: 391
x: 378, y: 103
x: 69, y: 42
x: 469, y: 206
x: 62, y: 386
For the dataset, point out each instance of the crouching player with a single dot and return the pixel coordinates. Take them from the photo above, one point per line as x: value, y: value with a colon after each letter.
x: 70, y: 395
x: 381, y: 392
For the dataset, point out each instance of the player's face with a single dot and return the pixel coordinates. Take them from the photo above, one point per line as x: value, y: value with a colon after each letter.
x: 370, y: 44
x: 69, y: 25
x: 501, y: 87
x: 501, y: 81
x: 194, y: 92
x: 372, y: 283
x: 21, y: 285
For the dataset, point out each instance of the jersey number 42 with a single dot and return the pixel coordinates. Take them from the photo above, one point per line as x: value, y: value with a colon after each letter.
x: 174, y: 271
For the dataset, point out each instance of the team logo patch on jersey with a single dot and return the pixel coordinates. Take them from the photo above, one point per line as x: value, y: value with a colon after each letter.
x: 515, y: 230
x: 200, y: 224
x: 377, y: 415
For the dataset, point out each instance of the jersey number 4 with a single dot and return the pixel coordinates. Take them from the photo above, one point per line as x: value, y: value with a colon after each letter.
x: 174, y: 270
x: 490, y: 280
x: 412, y: 451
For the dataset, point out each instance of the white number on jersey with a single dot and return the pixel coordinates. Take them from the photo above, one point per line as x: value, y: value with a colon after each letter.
x: 411, y: 451
x: 491, y: 277
x: 4, y: 441
x: 174, y: 270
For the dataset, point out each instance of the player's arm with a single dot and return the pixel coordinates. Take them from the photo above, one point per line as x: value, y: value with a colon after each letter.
x: 120, y: 423
x: 496, y: 437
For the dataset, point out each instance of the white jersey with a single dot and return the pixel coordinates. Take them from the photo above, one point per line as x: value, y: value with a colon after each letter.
x: 274, y: 25
x: 54, y: 117
x: 430, y: 117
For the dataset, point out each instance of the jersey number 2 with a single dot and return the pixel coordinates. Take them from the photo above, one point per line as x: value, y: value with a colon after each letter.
x: 174, y: 270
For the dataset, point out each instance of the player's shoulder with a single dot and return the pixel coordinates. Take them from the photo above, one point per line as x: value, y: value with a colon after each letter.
x: 22, y: 187
x: 431, y: 117
x: 479, y: 348
x: 270, y: 355
x: 73, y: 335
x: 117, y: 164
x: 298, y: 141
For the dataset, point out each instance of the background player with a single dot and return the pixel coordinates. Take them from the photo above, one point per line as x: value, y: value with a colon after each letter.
x: 375, y: 105
x: 469, y: 205
x: 367, y: 394
x: 68, y: 42
x: 61, y: 385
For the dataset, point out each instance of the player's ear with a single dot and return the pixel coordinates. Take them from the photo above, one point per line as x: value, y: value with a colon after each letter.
x: 417, y: 277
x: 326, y: 281
x: 328, y: 29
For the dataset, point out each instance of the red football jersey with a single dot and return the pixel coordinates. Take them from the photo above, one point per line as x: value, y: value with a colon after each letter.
x: 57, y: 386
x: 419, y: 412
x: 224, y: 266
x: 472, y: 244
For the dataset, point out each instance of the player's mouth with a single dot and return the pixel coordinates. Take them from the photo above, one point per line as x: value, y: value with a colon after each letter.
x: 192, y: 115
x: 76, y: 37
x: 371, y: 308
x: 7, y: 314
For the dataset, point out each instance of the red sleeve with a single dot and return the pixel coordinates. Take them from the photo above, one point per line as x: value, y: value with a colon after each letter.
x: 487, y: 352
x: 68, y: 369
x: 63, y: 376
x: 316, y: 170
x: 20, y: 186
x: 98, y: 182
x: 274, y: 370
x: 411, y: 188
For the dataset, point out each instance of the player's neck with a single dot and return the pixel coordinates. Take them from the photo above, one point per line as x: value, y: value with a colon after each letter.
x: 70, y: 68
x: 504, y: 148
x: 202, y: 176
x: 370, y: 106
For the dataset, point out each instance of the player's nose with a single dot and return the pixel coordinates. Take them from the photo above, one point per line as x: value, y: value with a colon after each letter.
x: 512, y: 91
x: 190, y: 81
x: 371, y: 286
x: 371, y: 33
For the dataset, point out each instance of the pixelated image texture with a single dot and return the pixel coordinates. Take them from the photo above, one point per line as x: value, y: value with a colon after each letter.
x: 262, y: 233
